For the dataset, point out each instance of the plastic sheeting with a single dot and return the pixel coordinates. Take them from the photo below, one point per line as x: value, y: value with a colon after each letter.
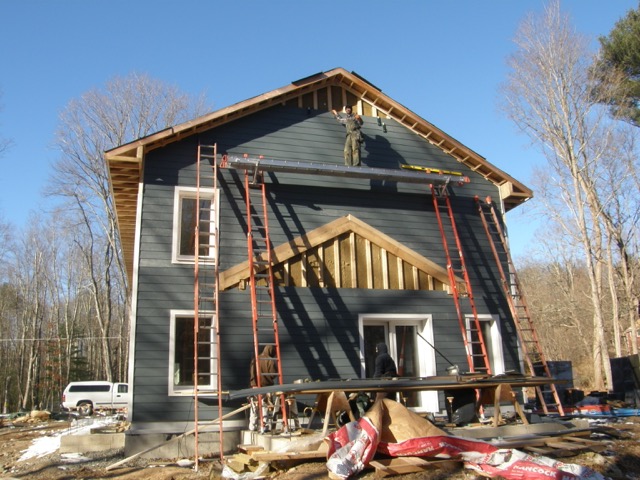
x: 389, y: 428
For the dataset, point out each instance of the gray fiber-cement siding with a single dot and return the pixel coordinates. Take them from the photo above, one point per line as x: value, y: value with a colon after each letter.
x: 319, y: 332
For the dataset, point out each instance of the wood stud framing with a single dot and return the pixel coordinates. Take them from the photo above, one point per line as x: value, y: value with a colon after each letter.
x: 364, y: 265
x: 347, y: 253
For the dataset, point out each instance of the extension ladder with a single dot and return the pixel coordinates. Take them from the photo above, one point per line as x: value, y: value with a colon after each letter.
x: 263, y: 305
x: 206, y: 334
x: 472, y: 336
x: 531, y: 348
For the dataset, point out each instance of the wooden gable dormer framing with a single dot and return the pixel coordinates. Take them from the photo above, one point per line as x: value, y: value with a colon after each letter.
x: 346, y: 253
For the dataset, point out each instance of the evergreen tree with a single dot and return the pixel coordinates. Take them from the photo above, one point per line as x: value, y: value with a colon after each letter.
x: 621, y: 51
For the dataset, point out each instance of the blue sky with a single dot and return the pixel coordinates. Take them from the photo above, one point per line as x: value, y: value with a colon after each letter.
x: 445, y: 60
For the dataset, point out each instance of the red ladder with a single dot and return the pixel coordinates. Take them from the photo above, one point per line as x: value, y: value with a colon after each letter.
x: 527, y: 335
x: 472, y: 337
x: 261, y: 284
x: 206, y: 333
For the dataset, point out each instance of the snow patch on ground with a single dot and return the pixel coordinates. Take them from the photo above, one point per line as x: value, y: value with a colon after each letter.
x: 49, y: 442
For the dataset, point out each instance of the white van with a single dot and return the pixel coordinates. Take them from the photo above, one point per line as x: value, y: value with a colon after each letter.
x: 85, y: 397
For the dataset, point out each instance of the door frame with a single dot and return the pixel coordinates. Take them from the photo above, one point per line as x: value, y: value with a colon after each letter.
x: 428, y: 400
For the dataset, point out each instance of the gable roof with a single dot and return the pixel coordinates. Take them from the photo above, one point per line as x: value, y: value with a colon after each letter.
x: 436, y: 276
x: 125, y: 163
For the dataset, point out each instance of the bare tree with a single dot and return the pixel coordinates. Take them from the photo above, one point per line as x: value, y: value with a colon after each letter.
x: 126, y: 109
x: 556, y: 284
x: 28, y: 275
x: 550, y: 95
x: 620, y: 216
x: 5, y: 143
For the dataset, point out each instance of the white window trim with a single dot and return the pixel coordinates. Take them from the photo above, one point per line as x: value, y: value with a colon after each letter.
x: 496, y: 353
x: 190, y: 192
x: 426, y: 356
x: 175, y: 390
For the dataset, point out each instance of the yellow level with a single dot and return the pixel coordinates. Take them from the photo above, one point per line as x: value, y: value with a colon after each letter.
x: 431, y: 170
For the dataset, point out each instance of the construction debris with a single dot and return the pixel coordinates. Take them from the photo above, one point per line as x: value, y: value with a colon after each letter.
x: 35, y: 416
x: 395, y: 441
x: 390, y: 429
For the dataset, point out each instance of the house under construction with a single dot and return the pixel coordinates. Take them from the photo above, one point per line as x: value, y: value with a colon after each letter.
x: 244, y: 228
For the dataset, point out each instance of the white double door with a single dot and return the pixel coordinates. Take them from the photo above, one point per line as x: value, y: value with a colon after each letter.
x: 409, y: 339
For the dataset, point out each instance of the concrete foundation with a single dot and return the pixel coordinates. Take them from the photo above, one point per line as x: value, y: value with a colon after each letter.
x: 208, y: 445
x: 93, y: 442
x: 299, y: 441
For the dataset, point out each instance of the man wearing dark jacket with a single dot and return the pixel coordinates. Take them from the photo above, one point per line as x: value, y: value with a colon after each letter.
x: 267, y: 364
x: 385, y: 367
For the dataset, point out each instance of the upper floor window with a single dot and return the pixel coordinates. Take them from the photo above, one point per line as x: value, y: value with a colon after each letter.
x: 185, y: 215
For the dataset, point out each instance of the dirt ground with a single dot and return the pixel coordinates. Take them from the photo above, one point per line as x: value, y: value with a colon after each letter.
x: 619, y: 460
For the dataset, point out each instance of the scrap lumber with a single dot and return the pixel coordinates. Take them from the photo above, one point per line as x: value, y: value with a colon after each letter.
x: 241, y: 462
x: 402, y: 465
x: 564, y: 446
x: 250, y: 448
x: 595, y: 445
x: 278, y: 456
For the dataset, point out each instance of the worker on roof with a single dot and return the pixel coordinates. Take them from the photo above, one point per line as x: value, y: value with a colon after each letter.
x: 354, y: 138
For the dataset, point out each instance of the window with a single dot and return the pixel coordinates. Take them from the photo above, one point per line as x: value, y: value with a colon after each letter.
x: 184, y: 225
x: 409, y: 338
x: 181, y: 354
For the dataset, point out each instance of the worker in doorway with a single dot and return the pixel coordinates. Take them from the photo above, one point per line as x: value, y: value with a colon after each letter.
x: 354, y: 138
x: 385, y: 367
x: 265, y: 371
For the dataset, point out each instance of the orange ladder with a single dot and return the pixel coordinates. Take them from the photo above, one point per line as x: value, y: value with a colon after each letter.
x: 531, y: 348
x: 472, y: 336
x: 263, y: 305
x: 206, y: 334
